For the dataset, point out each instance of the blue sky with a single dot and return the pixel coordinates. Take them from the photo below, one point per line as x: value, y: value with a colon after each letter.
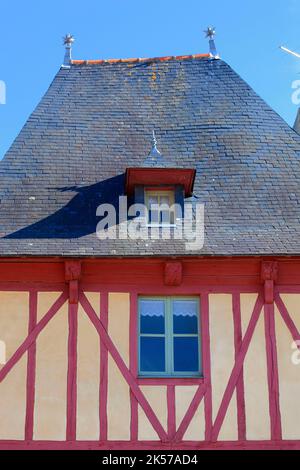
x: 248, y: 35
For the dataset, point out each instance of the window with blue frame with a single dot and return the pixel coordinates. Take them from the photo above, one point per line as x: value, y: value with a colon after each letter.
x: 169, y: 337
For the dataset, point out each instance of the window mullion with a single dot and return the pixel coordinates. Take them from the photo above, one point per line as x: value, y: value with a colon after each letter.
x: 172, y: 334
x: 168, y: 338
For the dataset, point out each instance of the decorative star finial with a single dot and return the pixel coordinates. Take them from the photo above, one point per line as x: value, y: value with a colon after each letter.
x: 210, y: 32
x: 68, y: 40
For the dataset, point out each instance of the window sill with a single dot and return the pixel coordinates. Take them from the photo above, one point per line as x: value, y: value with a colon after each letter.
x: 160, y: 225
x: 170, y: 380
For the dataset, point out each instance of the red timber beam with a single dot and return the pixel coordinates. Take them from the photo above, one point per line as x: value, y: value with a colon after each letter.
x: 31, y: 367
x: 72, y: 276
x: 218, y: 274
x: 171, y: 403
x: 150, y: 445
x: 103, y: 387
x: 240, y: 389
x: 269, y: 275
x: 130, y: 379
x: 133, y: 361
x: 204, y: 308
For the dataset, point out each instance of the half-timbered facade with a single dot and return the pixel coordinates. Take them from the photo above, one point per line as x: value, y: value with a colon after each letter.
x: 133, y: 343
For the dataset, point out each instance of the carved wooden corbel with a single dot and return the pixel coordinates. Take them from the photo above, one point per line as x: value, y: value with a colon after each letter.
x: 173, y: 273
x: 269, y: 274
x: 72, y: 276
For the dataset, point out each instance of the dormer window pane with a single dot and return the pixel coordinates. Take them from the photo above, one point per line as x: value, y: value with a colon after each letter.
x: 165, y: 200
x: 159, y: 204
x: 153, y: 200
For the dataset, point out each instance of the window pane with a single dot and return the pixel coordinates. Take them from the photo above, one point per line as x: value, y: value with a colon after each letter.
x: 152, y: 317
x: 172, y: 217
x: 152, y: 354
x: 185, y: 317
x: 165, y: 217
x: 165, y: 200
x: 165, y: 209
x: 186, y: 354
x: 153, y: 217
x: 152, y: 200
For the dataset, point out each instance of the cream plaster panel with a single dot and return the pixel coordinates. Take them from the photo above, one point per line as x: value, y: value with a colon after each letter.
x: 196, y: 430
x: 157, y: 398
x: 13, y: 402
x: 118, y: 404
x: 289, y: 373
x: 222, y: 359
x: 118, y: 323
x: 45, y: 302
x: 94, y: 299
x: 255, y: 375
x: 51, y: 378
x: 88, y: 374
x: 184, y: 396
x: 228, y: 430
x: 14, y: 318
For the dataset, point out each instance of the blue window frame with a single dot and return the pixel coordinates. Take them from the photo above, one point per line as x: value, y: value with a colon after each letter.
x: 169, y: 337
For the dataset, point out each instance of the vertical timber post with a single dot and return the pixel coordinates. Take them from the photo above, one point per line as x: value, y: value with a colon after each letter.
x: 72, y: 276
x: 133, y: 345
x: 103, y: 387
x: 240, y: 389
x: 31, y: 368
x: 269, y: 274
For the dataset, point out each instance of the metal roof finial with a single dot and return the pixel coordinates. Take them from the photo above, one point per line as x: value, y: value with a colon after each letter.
x: 154, y: 141
x: 210, y: 33
x: 154, y: 153
x: 68, y: 40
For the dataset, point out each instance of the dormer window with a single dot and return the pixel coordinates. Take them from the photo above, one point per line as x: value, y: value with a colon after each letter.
x: 160, y: 185
x: 160, y: 206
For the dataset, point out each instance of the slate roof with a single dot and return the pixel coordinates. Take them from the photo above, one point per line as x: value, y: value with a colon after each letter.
x: 96, y: 120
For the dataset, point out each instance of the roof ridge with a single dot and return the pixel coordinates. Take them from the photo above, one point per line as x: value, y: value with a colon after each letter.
x: 143, y: 59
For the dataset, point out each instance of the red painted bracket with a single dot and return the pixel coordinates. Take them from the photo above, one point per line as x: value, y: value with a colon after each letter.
x: 72, y: 276
x: 269, y: 275
x: 173, y: 273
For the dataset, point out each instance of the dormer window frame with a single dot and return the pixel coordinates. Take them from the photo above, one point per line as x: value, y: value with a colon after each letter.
x: 160, y: 192
x: 181, y: 180
x: 140, y: 198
